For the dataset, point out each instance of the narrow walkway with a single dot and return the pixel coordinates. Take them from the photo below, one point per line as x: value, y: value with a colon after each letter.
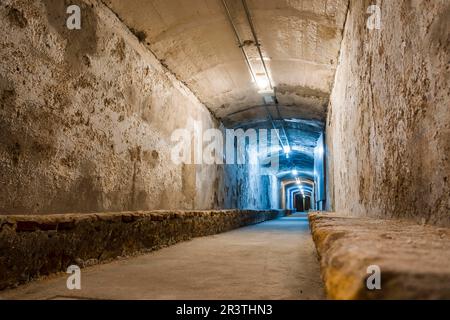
x: 271, y: 260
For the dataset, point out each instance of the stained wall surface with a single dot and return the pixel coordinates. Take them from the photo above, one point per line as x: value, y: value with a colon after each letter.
x: 388, y: 130
x: 86, y: 117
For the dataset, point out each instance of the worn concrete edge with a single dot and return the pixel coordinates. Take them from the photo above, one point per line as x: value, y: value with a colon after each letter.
x: 347, y: 245
x: 34, y: 247
x: 47, y: 222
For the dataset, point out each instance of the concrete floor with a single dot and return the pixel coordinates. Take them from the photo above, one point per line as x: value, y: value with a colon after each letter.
x: 271, y: 260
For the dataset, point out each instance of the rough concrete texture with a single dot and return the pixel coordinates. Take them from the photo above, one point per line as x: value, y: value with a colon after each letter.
x: 247, y: 186
x: 413, y: 259
x: 196, y: 41
x: 271, y: 260
x: 34, y: 246
x: 86, y: 117
x: 388, y: 129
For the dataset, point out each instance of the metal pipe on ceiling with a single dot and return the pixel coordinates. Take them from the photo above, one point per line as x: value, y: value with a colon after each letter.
x: 238, y: 38
x: 257, y: 44
x: 274, y: 127
x: 282, y: 124
x: 247, y: 60
x: 252, y: 72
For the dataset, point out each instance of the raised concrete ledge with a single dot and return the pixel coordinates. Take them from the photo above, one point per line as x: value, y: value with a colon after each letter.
x: 32, y: 246
x: 414, y: 259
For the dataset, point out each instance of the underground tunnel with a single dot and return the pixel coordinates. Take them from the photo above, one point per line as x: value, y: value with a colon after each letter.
x: 224, y: 149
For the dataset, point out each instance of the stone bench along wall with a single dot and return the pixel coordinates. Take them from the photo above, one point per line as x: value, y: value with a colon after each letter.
x: 34, y: 246
x: 413, y: 258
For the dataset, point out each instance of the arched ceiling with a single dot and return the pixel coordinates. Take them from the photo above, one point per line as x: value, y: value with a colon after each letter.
x: 300, y: 41
x: 302, y: 136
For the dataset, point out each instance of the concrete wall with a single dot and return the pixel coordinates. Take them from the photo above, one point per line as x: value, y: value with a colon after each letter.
x: 388, y: 130
x: 249, y: 187
x: 319, y: 174
x: 86, y: 117
x: 248, y: 182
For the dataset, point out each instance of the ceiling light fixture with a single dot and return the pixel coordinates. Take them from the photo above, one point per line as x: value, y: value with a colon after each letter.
x: 267, y: 82
x: 263, y: 83
x: 287, y: 150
